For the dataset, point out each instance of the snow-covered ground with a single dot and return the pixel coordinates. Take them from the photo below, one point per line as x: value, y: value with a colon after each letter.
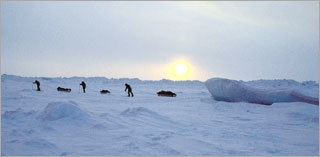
x: 55, y: 123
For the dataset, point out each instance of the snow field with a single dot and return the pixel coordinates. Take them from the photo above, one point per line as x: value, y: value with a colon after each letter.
x: 71, y: 124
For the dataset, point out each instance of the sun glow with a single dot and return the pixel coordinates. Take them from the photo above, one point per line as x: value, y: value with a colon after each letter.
x: 180, y: 70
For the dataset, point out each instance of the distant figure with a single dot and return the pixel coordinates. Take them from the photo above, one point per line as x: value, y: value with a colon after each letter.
x: 129, y: 90
x: 83, y: 86
x: 38, y: 84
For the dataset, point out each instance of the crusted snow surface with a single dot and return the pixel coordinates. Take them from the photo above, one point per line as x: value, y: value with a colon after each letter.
x: 52, y: 123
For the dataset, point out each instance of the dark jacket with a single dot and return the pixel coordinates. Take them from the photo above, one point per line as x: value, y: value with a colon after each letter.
x: 83, y: 84
x: 128, y: 87
x: 37, y: 82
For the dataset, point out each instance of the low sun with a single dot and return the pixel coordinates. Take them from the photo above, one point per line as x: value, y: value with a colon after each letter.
x: 180, y: 70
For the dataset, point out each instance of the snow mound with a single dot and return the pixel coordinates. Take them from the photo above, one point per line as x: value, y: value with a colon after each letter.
x: 58, y: 110
x: 262, y: 91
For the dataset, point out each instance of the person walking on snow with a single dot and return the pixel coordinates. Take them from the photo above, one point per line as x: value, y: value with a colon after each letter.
x: 38, y: 84
x: 83, y: 86
x: 129, y: 90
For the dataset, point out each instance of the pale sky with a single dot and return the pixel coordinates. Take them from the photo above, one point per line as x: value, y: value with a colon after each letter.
x: 236, y: 40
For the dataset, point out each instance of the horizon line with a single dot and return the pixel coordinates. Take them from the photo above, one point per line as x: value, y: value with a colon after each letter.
x: 317, y: 81
x: 98, y: 76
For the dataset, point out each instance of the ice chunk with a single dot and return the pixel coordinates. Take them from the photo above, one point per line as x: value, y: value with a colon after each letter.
x: 262, y: 91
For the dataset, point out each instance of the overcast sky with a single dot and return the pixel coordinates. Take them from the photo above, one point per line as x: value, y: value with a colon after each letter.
x: 236, y: 40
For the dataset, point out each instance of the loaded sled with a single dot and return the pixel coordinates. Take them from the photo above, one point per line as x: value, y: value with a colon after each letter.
x: 64, y: 89
x: 104, y: 91
x: 167, y: 93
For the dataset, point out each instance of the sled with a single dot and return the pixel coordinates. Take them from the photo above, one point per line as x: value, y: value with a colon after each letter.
x: 167, y: 93
x: 60, y: 89
x: 104, y: 91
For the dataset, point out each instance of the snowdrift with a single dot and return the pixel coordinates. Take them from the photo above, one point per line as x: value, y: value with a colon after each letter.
x: 263, y: 91
x: 146, y: 117
x: 17, y: 114
x: 58, y: 110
